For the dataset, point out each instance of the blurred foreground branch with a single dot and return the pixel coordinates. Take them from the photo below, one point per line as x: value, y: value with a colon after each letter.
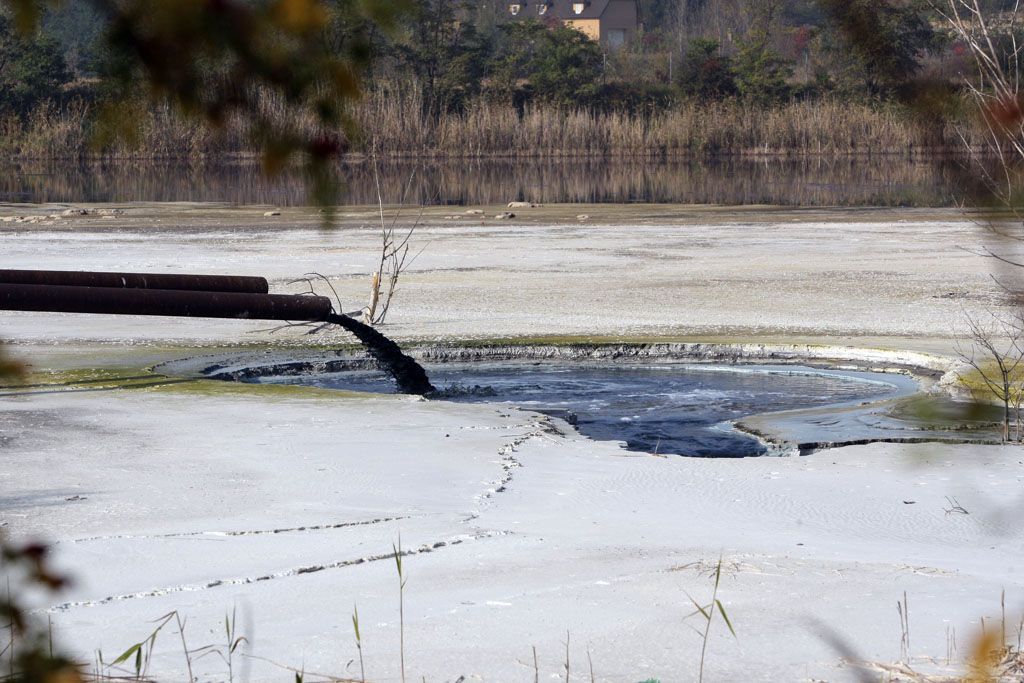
x: 220, y: 61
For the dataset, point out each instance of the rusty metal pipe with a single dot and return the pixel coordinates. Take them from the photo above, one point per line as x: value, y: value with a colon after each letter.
x: 118, y: 301
x: 186, y: 282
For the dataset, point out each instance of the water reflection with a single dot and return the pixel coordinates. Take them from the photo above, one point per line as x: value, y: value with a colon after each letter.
x: 809, y: 182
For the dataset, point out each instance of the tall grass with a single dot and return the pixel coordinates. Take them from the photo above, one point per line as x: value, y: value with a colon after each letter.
x: 393, y: 124
x: 395, y: 127
x: 160, y: 133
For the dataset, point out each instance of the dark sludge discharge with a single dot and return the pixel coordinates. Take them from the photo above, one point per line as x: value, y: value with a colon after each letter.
x: 652, y: 408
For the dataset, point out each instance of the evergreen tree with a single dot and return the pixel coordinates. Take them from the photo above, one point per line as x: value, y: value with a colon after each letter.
x: 761, y: 73
x: 32, y: 69
x: 552, y: 63
x: 705, y: 72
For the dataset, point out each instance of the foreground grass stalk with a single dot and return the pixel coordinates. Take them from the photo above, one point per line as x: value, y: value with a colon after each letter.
x: 359, y: 642
x: 184, y: 646
x: 567, y: 657
x: 707, y: 612
x: 233, y: 642
x: 142, y: 651
x: 10, y: 646
x: 903, y: 610
x: 401, y: 604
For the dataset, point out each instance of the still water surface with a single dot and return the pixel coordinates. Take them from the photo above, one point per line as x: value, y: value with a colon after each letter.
x: 883, y: 181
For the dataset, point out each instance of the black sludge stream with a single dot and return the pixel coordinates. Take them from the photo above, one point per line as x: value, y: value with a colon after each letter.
x: 653, y: 408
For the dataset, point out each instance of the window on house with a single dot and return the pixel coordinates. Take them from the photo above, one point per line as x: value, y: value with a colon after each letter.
x: 616, y: 37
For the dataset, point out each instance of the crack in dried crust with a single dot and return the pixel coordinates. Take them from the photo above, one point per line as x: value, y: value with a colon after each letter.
x: 249, y: 532
x: 286, y: 573
x: 543, y: 426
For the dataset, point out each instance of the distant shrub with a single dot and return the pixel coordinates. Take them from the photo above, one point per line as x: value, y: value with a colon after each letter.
x: 634, y: 97
x: 705, y: 72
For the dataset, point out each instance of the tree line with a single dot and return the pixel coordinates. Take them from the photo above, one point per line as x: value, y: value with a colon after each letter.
x: 452, y: 52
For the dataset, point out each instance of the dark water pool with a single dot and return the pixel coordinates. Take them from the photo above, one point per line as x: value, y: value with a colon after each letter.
x: 671, y: 408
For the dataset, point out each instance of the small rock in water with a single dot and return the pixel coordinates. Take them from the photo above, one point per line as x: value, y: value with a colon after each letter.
x: 268, y: 214
x: 75, y: 212
x: 507, y: 214
x: 582, y: 217
x: 110, y: 212
x: 521, y: 205
x: 475, y: 212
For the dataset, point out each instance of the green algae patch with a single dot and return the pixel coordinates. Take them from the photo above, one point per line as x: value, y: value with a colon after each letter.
x: 942, y: 413
x: 216, y: 387
x: 142, y: 379
x: 973, y: 380
x: 81, y: 379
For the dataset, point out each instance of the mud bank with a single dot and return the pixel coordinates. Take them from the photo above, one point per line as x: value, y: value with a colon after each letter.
x: 926, y: 367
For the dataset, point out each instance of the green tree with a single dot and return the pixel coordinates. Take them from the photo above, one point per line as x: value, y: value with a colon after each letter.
x: 32, y: 69
x: 445, y: 55
x: 79, y: 30
x: 706, y: 73
x: 761, y: 73
x: 552, y: 63
x: 878, y: 45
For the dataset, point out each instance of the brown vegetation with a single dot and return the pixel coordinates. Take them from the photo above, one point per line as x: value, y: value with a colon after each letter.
x: 394, y: 126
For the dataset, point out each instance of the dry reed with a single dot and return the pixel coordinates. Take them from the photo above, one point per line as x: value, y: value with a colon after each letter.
x: 393, y: 125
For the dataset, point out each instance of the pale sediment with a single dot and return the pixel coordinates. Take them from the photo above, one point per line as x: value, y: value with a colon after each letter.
x: 189, y: 488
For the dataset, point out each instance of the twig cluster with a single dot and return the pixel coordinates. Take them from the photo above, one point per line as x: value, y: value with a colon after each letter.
x: 995, y: 353
x: 394, y: 255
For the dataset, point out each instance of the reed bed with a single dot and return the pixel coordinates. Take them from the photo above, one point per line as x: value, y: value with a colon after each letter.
x: 52, y: 133
x: 394, y: 125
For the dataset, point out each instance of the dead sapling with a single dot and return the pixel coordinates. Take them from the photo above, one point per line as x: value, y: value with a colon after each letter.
x: 394, y: 256
x: 995, y: 353
x: 903, y: 609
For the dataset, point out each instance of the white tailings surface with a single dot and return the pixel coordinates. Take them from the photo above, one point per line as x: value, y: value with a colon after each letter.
x: 202, y: 498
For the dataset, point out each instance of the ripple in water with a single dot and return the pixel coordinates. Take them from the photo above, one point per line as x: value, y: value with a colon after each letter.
x: 670, y: 409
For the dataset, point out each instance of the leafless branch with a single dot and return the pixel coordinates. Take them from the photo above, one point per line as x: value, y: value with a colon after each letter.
x: 995, y: 354
x: 394, y: 253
